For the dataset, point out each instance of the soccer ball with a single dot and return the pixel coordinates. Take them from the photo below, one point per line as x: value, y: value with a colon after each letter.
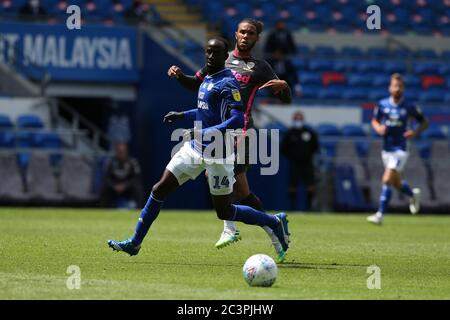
x: 260, y: 271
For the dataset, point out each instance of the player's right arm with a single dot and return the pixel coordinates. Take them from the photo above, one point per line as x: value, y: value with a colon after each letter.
x: 376, y: 122
x: 189, y: 82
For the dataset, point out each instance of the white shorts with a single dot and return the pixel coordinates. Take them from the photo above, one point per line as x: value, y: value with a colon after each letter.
x: 395, y: 160
x: 188, y: 164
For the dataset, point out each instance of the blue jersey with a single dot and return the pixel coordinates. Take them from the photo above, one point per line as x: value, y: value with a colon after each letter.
x: 217, y: 95
x: 395, y: 118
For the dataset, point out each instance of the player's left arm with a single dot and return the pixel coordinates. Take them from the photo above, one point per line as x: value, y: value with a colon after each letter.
x: 231, y: 97
x: 280, y: 88
x: 417, y: 114
x: 175, y: 116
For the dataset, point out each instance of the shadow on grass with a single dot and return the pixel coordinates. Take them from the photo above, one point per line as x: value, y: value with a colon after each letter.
x: 285, y: 265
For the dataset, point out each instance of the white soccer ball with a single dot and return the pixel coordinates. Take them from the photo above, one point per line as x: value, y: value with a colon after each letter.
x: 260, y: 271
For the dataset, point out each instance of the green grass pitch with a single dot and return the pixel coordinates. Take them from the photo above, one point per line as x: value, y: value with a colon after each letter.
x: 328, y: 258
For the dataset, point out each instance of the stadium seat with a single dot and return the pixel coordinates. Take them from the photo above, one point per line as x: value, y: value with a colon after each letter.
x: 353, y: 130
x: 378, y: 94
x: 324, y: 52
x: 412, y: 81
x: 381, y: 81
x: 426, y: 68
x: 7, y: 139
x: 434, y: 132
x: 328, y: 130
x: 29, y: 121
x: 320, y: 65
x: 432, y: 95
x: 310, y: 78
x: 5, y: 122
x: 331, y: 92
x: 355, y: 94
x: 357, y: 79
x: 310, y: 91
x: 395, y: 66
x: 377, y: 53
x: 333, y: 78
x: 351, y: 52
x: 425, y: 54
x: 349, y: 196
x: 369, y: 66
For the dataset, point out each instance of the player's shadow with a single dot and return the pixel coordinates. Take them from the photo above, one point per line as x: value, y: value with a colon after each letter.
x: 305, y: 265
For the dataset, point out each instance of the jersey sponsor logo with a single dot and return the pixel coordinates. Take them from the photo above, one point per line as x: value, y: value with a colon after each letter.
x: 235, y: 62
x: 202, y: 105
x: 210, y: 86
x: 201, y: 95
x: 242, y: 78
x: 236, y: 95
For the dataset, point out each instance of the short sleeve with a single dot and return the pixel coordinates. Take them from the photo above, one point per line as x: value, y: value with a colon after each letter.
x: 267, y: 73
x: 202, y: 73
x: 377, y: 114
x: 231, y: 95
x: 416, y: 113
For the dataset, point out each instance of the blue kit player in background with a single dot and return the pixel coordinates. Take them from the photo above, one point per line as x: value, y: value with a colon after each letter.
x: 219, y: 108
x: 391, y: 122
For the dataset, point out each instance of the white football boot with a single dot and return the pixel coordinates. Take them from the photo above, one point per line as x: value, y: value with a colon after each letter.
x: 414, y: 202
x: 376, y: 218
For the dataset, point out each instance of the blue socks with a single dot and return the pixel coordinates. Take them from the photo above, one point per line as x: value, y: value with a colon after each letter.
x: 385, y: 197
x: 406, y: 189
x: 148, y: 215
x: 251, y: 216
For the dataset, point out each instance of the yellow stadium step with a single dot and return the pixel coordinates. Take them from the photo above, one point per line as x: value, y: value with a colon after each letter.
x: 177, y: 13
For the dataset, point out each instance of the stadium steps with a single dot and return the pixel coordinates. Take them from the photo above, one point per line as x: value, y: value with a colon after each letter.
x: 177, y: 13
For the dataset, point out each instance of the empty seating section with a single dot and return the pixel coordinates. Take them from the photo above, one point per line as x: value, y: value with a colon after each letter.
x: 352, y: 74
x: 36, y: 167
x: 353, y: 155
x: 399, y: 16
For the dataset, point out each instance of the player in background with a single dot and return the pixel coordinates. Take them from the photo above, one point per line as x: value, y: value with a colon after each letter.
x: 219, y: 107
x: 391, y: 122
x: 253, y: 75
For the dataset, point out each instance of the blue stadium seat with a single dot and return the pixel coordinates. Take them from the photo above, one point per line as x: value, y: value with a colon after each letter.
x: 400, y: 53
x: 425, y: 54
x: 412, y: 95
x: 324, y: 51
x: 348, y: 194
x: 426, y: 68
x: 341, y: 65
x: 353, y: 130
x: 444, y: 69
x: 29, y: 121
x: 378, y: 94
x: 328, y: 148
x: 351, y: 52
x: 320, y: 65
x: 424, y: 149
x: 377, y: 52
x: 434, y: 132
x: 358, y: 79
x: 447, y: 97
x: 303, y: 50
x: 381, y: 80
x: 310, y: 91
x: 393, y: 67
x: 328, y: 130
x: 432, y: 95
x: 5, y: 122
x: 299, y: 63
x: 7, y: 139
x: 369, y: 66
x: 411, y: 81
x: 355, y: 94
x: 310, y: 78
x: 362, y: 148
x: 331, y: 92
